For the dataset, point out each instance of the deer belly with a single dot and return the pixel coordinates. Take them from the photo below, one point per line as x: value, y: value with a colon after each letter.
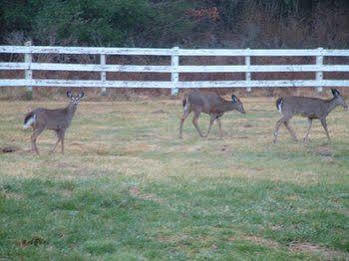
x: 57, y: 126
x: 308, y: 115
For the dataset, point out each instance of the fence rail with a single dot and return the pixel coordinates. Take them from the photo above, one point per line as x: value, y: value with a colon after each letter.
x: 175, y: 68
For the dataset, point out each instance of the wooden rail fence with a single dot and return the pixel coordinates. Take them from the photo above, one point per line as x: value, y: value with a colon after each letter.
x: 175, y: 68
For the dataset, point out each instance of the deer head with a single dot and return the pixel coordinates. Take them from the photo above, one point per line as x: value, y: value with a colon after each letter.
x: 75, y: 99
x: 339, y: 98
x: 237, y: 104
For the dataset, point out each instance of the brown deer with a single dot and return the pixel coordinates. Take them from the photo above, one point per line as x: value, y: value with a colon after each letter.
x: 57, y: 120
x: 312, y: 108
x: 209, y: 103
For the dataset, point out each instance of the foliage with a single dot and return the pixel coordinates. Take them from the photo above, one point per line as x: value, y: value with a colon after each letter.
x: 167, y: 23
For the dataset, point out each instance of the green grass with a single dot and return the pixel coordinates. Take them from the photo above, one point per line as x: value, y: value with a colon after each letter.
x: 128, y: 189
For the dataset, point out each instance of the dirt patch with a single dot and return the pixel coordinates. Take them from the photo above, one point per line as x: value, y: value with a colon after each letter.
x: 258, y: 241
x: 63, y: 165
x: 242, y: 137
x: 327, y: 254
x: 262, y: 241
x: 12, y: 195
x: 158, y: 111
x: 135, y: 192
x: 177, y: 239
x: 9, y: 149
x: 248, y: 125
x: 325, y: 151
x: 276, y: 228
x: 137, y: 148
x: 35, y: 241
x: 225, y: 147
x: 328, y: 159
x: 77, y: 144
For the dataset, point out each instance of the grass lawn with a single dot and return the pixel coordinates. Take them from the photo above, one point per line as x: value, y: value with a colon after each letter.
x: 128, y: 189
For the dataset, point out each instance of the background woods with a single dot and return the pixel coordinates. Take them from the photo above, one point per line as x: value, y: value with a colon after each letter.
x: 190, y: 23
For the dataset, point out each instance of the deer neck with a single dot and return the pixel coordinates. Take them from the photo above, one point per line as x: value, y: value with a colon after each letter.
x: 71, y: 109
x: 331, y: 104
x: 226, y: 106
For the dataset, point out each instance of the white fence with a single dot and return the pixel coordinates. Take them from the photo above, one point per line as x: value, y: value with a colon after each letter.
x: 174, y: 68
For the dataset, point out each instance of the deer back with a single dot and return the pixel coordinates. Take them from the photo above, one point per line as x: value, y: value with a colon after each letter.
x: 209, y: 102
x: 304, y: 106
x: 54, y: 119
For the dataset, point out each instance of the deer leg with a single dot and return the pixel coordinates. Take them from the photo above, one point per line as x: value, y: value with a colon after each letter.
x: 195, y: 122
x: 212, y: 119
x: 62, y: 140
x: 34, y: 136
x: 324, y: 124
x: 288, y: 127
x: 58, y: 140
x: 310, y: 122
x: 220, y: 128
x: 277, y: 126
x: 185, y: 115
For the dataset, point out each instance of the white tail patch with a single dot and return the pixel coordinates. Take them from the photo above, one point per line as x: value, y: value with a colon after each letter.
x: 30, y: 122
x: 186, y: 104
x: 280, y: 107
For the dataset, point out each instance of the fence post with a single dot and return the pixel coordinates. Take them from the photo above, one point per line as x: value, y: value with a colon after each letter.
x: 319, y: 62
x: 103, y: 74
x: 28, y: 72
x: 174, y: 71
x: 248, y: 74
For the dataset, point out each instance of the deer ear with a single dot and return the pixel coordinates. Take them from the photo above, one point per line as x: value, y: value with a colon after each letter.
x: 69, y: 94
x: 82, y: 94
x: 335, y: 92
x: 234, y: 99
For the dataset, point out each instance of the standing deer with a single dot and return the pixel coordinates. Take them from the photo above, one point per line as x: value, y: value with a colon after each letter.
x: 57, y: 120
x: 209, y: 103
x: 312, y: 108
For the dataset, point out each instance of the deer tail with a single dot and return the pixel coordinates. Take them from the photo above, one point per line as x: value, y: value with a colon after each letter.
x: 279, y: 104
x: 29, y: 120
x: 185, y: 102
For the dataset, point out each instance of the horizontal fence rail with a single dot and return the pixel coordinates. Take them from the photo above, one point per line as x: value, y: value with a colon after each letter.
x: 174, y: 68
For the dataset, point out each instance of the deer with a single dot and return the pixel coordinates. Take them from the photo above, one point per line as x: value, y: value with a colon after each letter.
x: 211, y: 104
x: 311, y: 108
x: 57, y: 120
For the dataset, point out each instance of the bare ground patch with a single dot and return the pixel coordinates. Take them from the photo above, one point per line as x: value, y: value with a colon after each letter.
x: 325, y: 151
x: 9, y: 149
x: 135, y: 192
x: 325, y: 253
x: 257, y: 240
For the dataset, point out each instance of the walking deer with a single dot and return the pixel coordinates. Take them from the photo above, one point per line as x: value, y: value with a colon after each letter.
x: 57, y: 120
x: 312, y: 108
x: 209, y: 103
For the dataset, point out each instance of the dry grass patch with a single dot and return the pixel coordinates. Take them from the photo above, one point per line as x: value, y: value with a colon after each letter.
x: 135, y: 192
x: 323, y: 252
x: 257, y: 240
